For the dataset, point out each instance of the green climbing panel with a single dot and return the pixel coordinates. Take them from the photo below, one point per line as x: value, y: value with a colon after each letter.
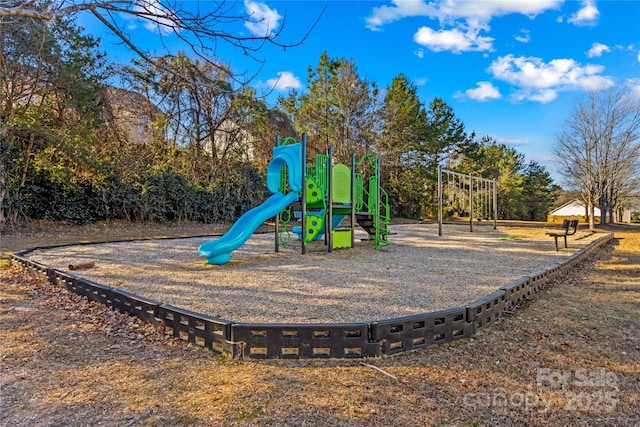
x: 313, y: 222
x: 314, y: 191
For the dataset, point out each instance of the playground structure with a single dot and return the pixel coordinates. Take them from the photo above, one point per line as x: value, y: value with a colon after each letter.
x: 326, y: 195
x: 385, y: 335
x: 464, y: 195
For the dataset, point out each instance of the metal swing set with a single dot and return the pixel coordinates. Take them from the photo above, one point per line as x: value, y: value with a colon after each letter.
x: 464, y: 195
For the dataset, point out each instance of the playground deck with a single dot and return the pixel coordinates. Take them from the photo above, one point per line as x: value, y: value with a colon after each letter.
x: 419, y: 272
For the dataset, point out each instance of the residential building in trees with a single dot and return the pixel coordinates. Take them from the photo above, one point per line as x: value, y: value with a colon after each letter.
x: 137, y: 119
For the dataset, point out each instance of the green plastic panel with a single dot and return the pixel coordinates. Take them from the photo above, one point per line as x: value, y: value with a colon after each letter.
x: 342, y: 238
x: 341, y: 181
x: 314, y: 191
x: 314, y: 224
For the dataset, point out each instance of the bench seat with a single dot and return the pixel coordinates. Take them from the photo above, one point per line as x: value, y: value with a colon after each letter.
x: 569, y: 228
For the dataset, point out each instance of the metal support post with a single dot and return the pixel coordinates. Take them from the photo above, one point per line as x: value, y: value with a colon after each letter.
x: 495, y: 204
x: 471, y: 203
x: 277, y: 231
x: 328, y: 223
x: 303, y: 196
x: 353, y: 199
x: 439, y: 200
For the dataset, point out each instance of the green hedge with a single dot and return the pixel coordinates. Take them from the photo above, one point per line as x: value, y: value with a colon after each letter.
x: 162, y: 195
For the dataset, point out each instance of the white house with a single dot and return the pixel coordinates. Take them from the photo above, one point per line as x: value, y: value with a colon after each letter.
x: 575, y: 209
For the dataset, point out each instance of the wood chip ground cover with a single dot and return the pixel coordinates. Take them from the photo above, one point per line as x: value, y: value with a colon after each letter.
x: 420, y: 272
x: 571, y: 358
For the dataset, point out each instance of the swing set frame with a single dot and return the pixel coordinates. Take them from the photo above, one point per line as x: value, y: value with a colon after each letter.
x: 485, y: 189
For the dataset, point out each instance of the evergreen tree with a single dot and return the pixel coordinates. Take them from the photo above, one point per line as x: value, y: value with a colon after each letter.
x: 490, y: 160
x: 404, y: 124
x: 357, y: 107
x: 317, y: 115
x: 445, y: 138
x: 538, y: 192
x: 339, y: 110
x: 49, y: 117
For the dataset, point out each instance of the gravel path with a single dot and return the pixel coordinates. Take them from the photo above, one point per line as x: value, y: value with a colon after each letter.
x: 419, y: 272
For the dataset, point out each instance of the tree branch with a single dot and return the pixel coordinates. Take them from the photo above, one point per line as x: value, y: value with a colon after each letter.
x: 200, y: 30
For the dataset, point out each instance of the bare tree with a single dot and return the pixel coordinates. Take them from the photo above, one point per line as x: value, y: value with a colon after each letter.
x: 599, y: 150
x: 202, y: 25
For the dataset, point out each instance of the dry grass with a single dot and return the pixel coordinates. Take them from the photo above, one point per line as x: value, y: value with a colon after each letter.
x: 68, y: 362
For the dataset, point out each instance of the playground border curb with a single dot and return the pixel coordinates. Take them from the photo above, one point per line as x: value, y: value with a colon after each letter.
x: 312, y: 341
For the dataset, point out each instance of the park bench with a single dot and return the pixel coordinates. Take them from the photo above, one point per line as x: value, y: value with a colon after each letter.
x: 569, y: 228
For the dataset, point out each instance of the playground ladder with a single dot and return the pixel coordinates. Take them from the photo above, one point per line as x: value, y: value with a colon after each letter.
x: 375, y: 220
x: 373, y: 214
x: 382, y: 215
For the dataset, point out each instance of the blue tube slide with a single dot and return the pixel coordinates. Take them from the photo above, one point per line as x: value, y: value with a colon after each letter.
x: 219, y: 251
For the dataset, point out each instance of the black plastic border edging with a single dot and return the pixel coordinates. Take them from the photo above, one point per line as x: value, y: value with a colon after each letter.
x: 306, y: 341
x: 205, y: 331
x: 421, y: 330
x: 286, y: 341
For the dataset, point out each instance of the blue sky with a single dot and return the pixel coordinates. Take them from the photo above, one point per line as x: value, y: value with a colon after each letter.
x: 510, y: 69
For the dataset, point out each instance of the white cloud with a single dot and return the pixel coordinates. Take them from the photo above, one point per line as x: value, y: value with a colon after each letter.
x: 538, y: 81
x: 263, y: 20
x: 484, y: 92
x: 511, y: 141
x: 634, y: 90
x: 161, y: 22
x: 285, y: 81
x: 597, y: 49
x: 544, y: 96
x: 587, y: 15
x: 639, y: 56
x: 455, y: 40
x: 461, y: 21
x: 488, y: 9
x: 131, y: 25
x: 419, y: 53
x: 400, y: 9
x: 420, y: 81
x: 524, y: 36
x: 451, y: 10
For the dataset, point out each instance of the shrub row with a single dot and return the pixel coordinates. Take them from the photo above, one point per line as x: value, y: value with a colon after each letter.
x: 163, y: 195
